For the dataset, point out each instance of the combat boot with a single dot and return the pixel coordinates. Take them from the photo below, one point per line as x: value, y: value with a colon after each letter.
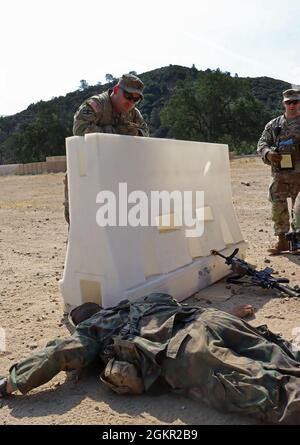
x: 282, y: 245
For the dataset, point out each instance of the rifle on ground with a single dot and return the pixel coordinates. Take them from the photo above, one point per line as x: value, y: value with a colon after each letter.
x: 262, y: 278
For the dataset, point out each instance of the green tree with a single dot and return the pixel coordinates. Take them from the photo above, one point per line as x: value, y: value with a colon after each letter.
x: 215, y: 108
x: 45, y: 136
x: 83, y: 85
x: 110, y: 78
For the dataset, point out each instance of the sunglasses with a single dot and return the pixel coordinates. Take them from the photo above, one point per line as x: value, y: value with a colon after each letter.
x: 292, y: 102
x: 130, y: 97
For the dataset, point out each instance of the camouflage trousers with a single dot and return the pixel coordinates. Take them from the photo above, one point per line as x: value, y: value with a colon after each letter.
x: 281, y: 188
x: 234, y: 367
x: 74, y: 353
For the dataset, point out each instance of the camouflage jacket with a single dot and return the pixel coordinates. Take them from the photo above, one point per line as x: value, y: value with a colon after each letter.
x: 269, y: 140
x: 96, y: 115
x: 138, y: 332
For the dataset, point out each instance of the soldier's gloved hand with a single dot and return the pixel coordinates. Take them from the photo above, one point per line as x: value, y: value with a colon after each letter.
x: 273, y: 157
x: 122, y: 377
x: 108, y: 129
x: 128, y: 129
x: 132, y: 131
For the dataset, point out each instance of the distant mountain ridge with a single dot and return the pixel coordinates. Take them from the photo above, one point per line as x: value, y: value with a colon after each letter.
x: 159, y: 86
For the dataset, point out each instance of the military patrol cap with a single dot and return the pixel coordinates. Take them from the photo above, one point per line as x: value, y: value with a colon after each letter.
x: 291, y: 95
x: 131, y: 84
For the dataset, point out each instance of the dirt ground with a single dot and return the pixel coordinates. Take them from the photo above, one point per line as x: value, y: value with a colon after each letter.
x: 33, y: 238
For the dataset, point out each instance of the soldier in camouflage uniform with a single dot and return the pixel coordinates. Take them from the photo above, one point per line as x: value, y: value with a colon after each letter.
x: 282, y: 135
x: 111, y: 112
x: 205, y: 354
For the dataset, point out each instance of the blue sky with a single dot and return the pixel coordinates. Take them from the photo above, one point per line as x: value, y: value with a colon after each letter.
x: 47, y: 47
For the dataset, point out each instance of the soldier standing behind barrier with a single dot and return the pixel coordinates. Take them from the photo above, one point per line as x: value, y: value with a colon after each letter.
x: 279, y: 146
x: 111, y: 112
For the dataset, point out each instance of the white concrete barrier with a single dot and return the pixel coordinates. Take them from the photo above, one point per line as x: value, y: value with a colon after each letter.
x: 108, y: 264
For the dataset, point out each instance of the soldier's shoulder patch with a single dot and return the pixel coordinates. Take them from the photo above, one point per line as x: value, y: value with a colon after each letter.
x: 94, y: 104
x: 272, y: 123
x: 86, y: 111
x: 269, y: 125
x: 136, y: 113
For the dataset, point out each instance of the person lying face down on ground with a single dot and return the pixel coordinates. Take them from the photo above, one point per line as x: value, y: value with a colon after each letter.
x: 206, y: 354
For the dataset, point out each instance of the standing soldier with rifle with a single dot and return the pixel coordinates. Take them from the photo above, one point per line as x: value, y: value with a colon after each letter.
x: 279, y: 146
